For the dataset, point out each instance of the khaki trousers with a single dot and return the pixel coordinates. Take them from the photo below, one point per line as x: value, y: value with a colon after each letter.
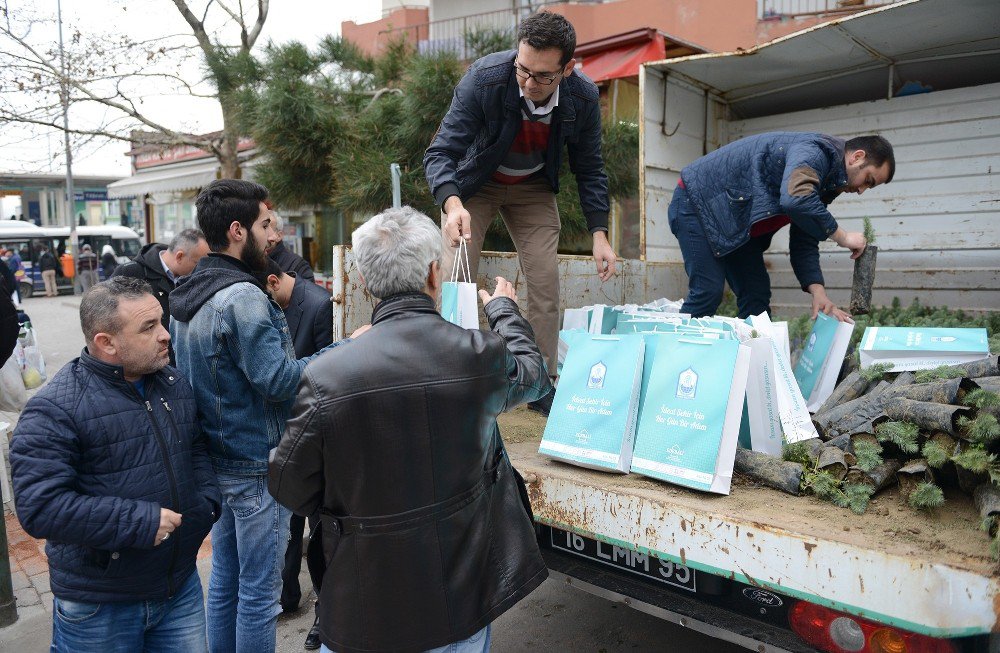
x: 529, y: 211
x: 49, y: 277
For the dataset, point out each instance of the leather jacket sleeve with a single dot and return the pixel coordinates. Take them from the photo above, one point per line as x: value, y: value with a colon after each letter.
x: 526, y: 373
x: 295, y: 471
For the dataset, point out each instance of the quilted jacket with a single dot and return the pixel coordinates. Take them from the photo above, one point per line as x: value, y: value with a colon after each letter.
x: 779, y: 173
x: 485, y: 117
x: 93, y: 462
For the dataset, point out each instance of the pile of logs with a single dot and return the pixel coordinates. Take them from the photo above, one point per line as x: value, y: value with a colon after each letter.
x: 849, y: 422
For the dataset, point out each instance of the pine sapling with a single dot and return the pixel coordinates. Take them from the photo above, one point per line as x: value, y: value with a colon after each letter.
x: 926, y: 496
x: 902, y: 434
x: 981, y: 398
x: 855, y: 496
x: 868, y: 454
x: 935, y: 454
x: 975, y: 459
x: 869, y: 231
x: 938, y: 373
x: 797, y: 452
x: 822, y: 484
x: 876, y: 372
x: 981, y: 430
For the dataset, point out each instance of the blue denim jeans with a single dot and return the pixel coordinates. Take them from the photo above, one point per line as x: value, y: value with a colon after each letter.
x: 248, y: 548
x: 478, y: 643
x: 707, y: 275
x: 176, y: 624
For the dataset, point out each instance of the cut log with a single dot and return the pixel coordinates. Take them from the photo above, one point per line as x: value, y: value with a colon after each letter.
x: 910, y: 475
x: 988, y: 383
x: 834, y: 461
x: 927, y: 415
x: 864, y: 280
x: 853, y: 417
x: 945, y: 391
x: 852, y: 387
x: 987, y: 499
x: 987, y: 367
x: 878, y: 478
x: 770, y: 470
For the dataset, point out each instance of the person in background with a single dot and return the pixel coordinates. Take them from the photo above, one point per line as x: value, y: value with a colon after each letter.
x: 81, y: 221
x: 48, y: 264
x: 286, y: 259
x: 162, y: 266
x: 394, y: 439
x: 111, y: 468
x: 86, y: 268
x: 109, y: 261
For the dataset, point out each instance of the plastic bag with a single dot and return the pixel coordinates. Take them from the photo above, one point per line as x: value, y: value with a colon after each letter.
x: 13, y: 395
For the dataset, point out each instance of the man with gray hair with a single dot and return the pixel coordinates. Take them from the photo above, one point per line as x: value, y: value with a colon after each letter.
x: 111, y: 468
x: 394, y: 436
x: 286, y: 259
x: 161, y: 266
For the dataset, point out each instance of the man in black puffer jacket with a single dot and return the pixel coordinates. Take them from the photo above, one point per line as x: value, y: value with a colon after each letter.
x: 110, y: 467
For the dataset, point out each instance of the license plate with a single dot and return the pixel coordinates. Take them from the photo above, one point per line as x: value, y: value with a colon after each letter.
x: 663, y: 571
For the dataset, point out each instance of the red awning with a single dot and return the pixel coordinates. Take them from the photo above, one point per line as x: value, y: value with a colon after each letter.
x: 623, y: 61
x: 621, y: 55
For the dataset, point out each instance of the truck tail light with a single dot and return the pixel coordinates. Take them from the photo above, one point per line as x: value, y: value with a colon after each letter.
x: 837, y: 632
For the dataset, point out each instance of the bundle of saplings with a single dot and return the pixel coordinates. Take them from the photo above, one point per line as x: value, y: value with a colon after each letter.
x: 918, y: 431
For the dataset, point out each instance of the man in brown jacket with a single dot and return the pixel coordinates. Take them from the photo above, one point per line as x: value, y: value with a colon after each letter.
x: 394, y: 438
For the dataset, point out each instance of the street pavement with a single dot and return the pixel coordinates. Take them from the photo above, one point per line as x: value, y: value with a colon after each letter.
x: 554, y: 617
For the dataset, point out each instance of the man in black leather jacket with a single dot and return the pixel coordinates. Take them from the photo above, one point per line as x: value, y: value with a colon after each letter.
x: 427, y: 535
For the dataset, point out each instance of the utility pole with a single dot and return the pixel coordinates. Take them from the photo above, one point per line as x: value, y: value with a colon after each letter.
x: 64, y: 93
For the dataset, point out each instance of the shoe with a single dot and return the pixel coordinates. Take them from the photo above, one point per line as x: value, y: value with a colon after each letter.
x: 312, y: 639
x: 543, y: 405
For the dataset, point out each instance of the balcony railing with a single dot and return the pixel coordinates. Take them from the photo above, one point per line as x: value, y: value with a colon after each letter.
x: 770, y: 9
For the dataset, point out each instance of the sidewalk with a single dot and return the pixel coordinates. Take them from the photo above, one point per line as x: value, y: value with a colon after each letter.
x: 32, y: 631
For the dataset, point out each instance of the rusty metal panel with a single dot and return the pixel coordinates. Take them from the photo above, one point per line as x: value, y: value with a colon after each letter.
x: 905, y: 591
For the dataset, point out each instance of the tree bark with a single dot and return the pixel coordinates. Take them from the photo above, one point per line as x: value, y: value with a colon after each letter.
x: 864, y: 280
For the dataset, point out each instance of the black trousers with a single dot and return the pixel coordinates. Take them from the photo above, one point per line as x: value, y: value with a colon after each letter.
x: 291, y: 593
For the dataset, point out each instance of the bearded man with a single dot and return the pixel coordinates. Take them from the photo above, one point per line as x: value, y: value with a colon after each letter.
x: 232, y: 342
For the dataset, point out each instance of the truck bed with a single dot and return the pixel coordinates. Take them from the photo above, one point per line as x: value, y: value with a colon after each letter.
x: 928, y: 573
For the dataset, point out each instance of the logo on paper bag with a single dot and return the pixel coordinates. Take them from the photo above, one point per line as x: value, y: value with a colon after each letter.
x: 812, y: 342
x: 582, y: 436
x: 687, y: 384
x: 674, y: 452
x: 943, y: 338
x: 597, y: 374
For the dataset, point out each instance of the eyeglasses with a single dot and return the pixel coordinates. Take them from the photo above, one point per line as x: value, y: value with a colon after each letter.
x: 544, y: 79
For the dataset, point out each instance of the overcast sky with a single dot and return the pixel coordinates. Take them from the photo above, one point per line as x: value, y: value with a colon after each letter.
x: 303, y: 20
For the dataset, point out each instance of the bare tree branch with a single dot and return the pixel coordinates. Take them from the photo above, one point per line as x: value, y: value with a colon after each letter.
x: 262, y: 8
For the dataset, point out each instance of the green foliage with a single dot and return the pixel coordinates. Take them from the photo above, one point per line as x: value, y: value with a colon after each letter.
x: 926, y: 496
x: 939, y: 373
x: 974, y: 459
x: 935, y: 454
x: 483, y: 41
x: 391, y: 64
x: 876, y: 372
x: 903, y: 434
x: 981, y: 398
x: 346, y: 54
x: 869, y: 231
x: 868, y: 454
x: 825, y: 486
x: 797, y: 452
x: 981, y: 430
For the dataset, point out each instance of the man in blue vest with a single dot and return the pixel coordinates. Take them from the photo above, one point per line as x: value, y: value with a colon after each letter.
x: 729, y: 204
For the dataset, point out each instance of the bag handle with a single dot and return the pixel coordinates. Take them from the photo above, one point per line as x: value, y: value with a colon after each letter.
x: 463, y: 252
